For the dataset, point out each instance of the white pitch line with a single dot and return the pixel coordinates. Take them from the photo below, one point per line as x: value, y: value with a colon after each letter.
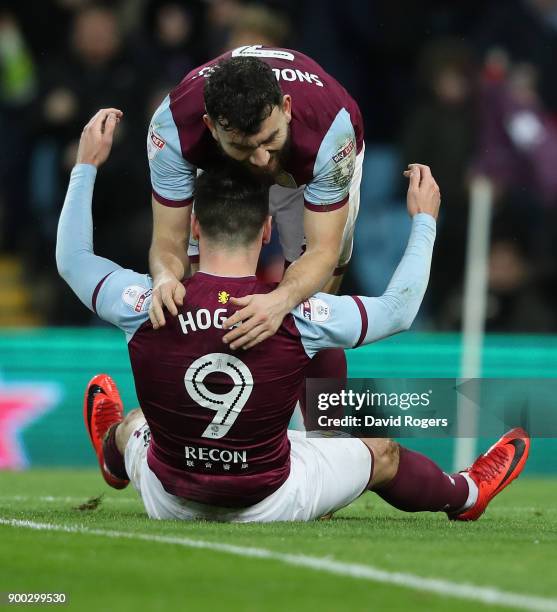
x: 487, y: 595
x: 69, y: 500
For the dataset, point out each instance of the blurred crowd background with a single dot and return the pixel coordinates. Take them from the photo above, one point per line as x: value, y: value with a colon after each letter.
x: 466, y: 87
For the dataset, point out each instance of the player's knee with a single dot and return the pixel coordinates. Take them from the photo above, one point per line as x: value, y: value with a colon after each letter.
x: 131, y: 422
x: 385, y: 460
x: 133, y: 415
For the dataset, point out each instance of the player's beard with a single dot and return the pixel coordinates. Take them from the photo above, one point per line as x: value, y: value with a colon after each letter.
x: 277, y: 163
x: 283, y: 155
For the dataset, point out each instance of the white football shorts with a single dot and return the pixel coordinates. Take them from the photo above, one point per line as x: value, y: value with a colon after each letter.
x: 326, y: 474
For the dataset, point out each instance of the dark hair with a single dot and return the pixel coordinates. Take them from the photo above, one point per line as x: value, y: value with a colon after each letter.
x: 240, y: 93
x: 231, y: 205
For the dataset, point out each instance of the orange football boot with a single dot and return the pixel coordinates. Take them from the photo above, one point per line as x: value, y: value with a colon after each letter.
x: 495, y: 470
x: 102, y: 408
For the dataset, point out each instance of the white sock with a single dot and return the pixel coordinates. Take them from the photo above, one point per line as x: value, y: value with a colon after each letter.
x: 472, y: 493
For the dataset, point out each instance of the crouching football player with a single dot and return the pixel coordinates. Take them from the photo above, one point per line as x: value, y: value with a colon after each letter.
x: 211, y: 439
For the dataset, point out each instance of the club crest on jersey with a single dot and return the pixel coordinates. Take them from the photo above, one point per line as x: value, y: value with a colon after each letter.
x: 137, y: 298
x: 316, y: 310
x: 154, y: 144
x: 223, y: 297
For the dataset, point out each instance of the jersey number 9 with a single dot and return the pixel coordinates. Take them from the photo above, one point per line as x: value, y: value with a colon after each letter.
x: 226, y: 405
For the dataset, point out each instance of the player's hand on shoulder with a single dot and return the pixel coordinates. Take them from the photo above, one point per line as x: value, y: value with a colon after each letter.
x: 259, y: 318
x: 423, y: 195
x: 168, y: 292
x: 96, y: 138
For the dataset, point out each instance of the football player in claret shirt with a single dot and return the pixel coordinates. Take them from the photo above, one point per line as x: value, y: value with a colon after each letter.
x: 276, y: 112
x: 211, y: 439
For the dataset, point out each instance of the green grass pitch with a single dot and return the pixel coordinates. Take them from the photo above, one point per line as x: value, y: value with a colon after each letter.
x: 512, y: 548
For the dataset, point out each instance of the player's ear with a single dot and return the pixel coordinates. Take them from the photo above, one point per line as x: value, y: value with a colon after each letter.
x: 194, y: 227
x: 267, y: 230
x: 287, y: 106
x: 210, y: 125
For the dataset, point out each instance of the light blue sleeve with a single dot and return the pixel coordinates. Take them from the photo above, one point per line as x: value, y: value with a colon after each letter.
x: 397, y: 308
x: 334, y: 166
x: 328, y: 321
x: 77, y: 264
x: 123, y: 299
x: 172, y: 177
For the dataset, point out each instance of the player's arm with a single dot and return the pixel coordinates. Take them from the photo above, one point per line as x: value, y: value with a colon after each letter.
x: 168, y: 259
x: 77, y: 263
x: 310, y: 273
x: 172, y: 179
x: 329, y: 321
x: 117, y: 295
x: 326, y: 210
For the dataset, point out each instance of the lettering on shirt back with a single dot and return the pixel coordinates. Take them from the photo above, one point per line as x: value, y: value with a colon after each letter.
x: 202, y: 319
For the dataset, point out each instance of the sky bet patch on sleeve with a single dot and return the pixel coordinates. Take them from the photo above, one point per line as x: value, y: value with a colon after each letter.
x: 344, y: 152
x: 137, y: 298
x: 316, y: 310
x: 154, y: 144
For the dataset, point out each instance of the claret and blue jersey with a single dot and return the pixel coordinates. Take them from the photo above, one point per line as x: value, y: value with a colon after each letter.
x: 326, y: 132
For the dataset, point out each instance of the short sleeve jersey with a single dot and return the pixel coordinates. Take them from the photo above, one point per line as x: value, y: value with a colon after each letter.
x: 218, y: 417
x: 326, y: 132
